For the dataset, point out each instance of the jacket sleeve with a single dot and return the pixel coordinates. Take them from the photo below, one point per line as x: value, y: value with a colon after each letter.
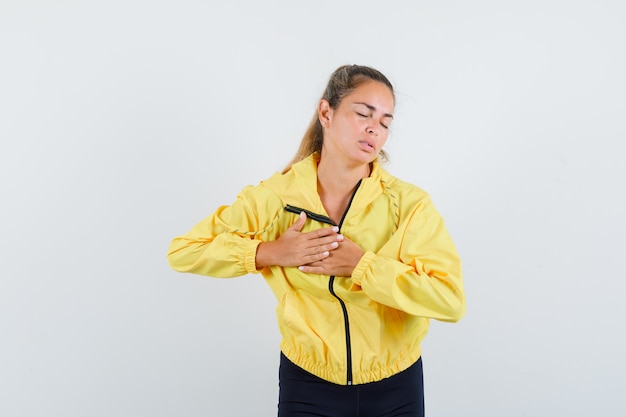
x: 418, y: 271
x: 224, y: 244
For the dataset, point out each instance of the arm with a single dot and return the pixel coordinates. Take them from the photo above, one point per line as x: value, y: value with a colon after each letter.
x: 418, y: 271
x: 241, y: 239
x: 294, y: 248
x: 222, y: 245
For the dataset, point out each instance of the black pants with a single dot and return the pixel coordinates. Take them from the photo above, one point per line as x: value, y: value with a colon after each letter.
x: 305, y: 395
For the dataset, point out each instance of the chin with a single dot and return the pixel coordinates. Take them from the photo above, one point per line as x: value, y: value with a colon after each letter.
x: 367, y: 160
x: 371, y: 158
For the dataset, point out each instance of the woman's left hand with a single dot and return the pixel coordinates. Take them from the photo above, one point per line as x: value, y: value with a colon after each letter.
x: 340, y: 262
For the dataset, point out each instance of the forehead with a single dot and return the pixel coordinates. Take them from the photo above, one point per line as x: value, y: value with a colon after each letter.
x: 373, y: 93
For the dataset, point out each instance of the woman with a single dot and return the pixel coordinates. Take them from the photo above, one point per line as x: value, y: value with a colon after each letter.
x: 359, y: 261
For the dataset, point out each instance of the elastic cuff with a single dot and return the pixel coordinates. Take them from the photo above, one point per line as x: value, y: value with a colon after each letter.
x: 249, y: 258
x: 359, y: 272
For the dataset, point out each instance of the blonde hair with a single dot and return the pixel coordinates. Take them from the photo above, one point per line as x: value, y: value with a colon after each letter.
x: 342, y: 82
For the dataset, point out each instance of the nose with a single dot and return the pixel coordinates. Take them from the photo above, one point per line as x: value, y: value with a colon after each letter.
x: 372, y: 130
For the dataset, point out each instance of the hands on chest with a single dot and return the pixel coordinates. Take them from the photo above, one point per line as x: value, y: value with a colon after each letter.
x: 322, y: 251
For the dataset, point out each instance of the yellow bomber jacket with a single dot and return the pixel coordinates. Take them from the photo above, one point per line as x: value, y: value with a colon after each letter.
x: 346, y: 330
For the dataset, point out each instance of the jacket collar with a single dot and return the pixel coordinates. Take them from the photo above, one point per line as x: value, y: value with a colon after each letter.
x: 298, y: 186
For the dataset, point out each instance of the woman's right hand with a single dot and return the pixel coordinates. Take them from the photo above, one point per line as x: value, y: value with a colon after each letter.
x: 294, y: 248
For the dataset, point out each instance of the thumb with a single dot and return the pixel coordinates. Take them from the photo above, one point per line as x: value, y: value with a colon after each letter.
x: 299, y: 224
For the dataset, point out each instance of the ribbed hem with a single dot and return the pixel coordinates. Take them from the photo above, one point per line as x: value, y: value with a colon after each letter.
x: 250, y: 256
x: 327, y: 372
x: 361, y: 267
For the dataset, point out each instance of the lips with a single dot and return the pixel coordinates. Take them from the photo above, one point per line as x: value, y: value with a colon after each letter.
x: 367, y: 146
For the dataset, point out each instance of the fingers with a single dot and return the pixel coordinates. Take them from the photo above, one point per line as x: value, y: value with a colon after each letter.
x: 317, y: 268
x: 320, y: 252
x: 340, y: 261
x: 327, y: 245
x: 315, y: 234
x: 320, y: 247
x: 317, y: 257
x: 325, y: 235
x: 298, y: 224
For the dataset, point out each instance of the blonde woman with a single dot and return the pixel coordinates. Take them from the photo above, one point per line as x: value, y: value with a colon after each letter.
x: 359, y: 260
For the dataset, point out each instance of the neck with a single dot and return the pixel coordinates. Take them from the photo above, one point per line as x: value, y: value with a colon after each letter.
x: 337, y: 178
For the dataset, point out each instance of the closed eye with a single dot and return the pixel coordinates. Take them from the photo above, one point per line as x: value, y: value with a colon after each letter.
x: 385, y: 126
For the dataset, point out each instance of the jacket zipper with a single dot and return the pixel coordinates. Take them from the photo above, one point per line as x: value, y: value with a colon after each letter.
x: 344, y: 309
x: 310, y: 214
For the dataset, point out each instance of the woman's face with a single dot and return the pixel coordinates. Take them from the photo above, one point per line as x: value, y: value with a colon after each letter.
x: 358, y: 128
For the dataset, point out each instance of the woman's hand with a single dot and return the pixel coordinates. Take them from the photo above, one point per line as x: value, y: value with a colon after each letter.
x: 340, y: 262
x: 294, y: 248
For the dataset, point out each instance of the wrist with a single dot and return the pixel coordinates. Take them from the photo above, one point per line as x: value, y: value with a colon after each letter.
x: 359, y: 271
x: 263, y: 255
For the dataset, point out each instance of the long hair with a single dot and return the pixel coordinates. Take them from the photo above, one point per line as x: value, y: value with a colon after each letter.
x: 342, y: 82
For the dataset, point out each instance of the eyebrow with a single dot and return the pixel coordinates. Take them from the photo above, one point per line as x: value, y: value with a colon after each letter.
x: 369, y: 106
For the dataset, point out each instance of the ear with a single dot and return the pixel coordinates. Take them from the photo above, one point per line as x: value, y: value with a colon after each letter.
x: 324, y: 112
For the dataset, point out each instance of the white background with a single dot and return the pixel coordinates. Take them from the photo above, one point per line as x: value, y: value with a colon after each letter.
x: 123, y: 123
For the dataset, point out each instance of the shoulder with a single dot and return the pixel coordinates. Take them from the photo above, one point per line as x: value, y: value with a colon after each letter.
x: 300, y: 179
x: 295, y: 184
x: 277, y: 181
x: 260, y: 195
x: 407, y: 192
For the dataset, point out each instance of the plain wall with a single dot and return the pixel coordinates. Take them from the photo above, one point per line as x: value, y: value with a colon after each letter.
x: 123, y: 123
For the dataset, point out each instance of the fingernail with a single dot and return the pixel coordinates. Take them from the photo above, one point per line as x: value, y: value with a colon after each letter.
x: 339, y: 237
x: 334, y: 244
x: 335, y: 229
x: 300, y: 268
x: 325, y: 253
